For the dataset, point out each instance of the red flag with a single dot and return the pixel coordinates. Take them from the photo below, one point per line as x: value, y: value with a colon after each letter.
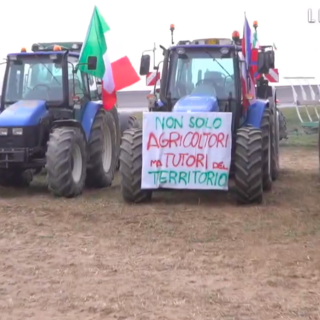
x: 124, y: 75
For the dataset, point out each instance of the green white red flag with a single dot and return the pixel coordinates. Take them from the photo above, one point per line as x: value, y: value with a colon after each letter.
x: 115, y: 75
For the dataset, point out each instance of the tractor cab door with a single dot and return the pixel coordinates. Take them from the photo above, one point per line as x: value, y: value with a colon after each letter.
x: 78, y: 92
x: 94, y: 94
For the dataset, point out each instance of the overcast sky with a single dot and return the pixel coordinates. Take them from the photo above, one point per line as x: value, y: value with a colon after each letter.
x: 137, y: 24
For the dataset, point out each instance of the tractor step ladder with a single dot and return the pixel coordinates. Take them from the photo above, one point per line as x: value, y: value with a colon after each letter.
x: 307, y: 102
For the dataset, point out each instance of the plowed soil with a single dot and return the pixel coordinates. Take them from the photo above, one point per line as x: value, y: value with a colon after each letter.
x: 186, y: 255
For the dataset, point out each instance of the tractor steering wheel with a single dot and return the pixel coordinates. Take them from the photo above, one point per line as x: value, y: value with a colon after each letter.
x: 43, y: 85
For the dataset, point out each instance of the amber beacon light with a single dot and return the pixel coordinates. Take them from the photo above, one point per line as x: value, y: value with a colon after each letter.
x: 235, y: 36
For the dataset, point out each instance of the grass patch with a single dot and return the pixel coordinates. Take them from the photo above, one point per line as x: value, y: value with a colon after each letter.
x: 297, y: 136
x: 293, y: 121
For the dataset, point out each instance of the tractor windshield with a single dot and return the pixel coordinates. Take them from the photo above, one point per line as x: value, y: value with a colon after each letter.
x: 203, y: 71
x: 31, y: 77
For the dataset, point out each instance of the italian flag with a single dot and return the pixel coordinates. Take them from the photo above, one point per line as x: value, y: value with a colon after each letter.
x: 115, y: 75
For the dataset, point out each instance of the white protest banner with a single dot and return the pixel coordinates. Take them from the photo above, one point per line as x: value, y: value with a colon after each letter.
x: 186, y: 150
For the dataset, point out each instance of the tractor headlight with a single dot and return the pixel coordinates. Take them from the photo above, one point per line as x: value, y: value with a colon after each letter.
x: 17, y: 131
x: 3, y: 132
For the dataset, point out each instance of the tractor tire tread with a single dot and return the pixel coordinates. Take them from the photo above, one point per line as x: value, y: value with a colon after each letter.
x: 59, y: 161
x: 248, y: 166
x: 96, y: 176
x: 275, y: 165
x: 131, y: 167
x: 266, y: 136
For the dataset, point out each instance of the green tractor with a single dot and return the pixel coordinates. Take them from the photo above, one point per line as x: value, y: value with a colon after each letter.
x: 199, y: 78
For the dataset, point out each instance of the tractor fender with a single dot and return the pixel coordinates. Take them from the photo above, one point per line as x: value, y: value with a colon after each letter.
x: 69, y: 123
x: 255, y: 113
x: 89, y: 115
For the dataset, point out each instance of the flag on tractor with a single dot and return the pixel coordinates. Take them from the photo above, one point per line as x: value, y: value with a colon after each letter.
x: 116, y: 75
x: 248, y: 82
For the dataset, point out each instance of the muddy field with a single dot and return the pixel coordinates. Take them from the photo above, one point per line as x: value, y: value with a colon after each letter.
x: 184, y: 256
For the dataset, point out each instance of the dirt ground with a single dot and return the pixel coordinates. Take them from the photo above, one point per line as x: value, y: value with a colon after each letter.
x: 184, y: 256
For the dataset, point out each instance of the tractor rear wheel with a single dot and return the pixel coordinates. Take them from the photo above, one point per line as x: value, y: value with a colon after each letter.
x: 127, y: 121
x: 16, y: 178
x: 131, y: 167
x: 115, y: 114
x: 283, y: 126
x: 102, y: 151
x: 66, y: 162
x: 248, y: 166
x: 275, y: 154
x: 267, y: 149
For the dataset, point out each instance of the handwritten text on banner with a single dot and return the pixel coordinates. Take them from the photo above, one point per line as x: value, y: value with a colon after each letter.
x: 186, y: 151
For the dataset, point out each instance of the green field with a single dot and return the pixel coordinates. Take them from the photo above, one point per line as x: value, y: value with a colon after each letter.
x: 297, y: 137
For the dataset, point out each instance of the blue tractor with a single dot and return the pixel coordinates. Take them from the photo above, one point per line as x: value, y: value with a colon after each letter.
x: 52, y: 117
x: 205, y: 76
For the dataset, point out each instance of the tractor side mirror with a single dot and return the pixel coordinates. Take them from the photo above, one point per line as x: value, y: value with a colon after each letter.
x: 144, y: 64
x: 92, y: 63
x: 265, y: 61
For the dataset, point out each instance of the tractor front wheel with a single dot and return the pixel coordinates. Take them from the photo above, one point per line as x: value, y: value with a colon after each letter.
x: 102, y: 151
x: 131, y: 167
x: 66, y: 162
x: 248, y: 166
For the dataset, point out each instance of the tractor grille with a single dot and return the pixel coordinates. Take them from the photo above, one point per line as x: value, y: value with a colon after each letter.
x: 29, y: 139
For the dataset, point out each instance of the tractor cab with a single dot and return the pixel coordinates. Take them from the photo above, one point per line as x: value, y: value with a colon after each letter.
x: 202, y: 75
x: 49, y: 75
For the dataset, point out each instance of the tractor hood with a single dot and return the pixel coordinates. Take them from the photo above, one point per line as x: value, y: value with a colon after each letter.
x: 23, y: 113
x: 197, y: 103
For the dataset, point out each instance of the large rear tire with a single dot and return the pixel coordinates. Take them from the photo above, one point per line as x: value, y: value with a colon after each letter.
x: 127, y: 121
x: 66, y: 162
x: 131, y: 167
x: 283, y: 126
x: 275, y: 154
x: 248, y: 166
x: 266, y: 149
x: 115, y: 114
x: 102, y: 151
